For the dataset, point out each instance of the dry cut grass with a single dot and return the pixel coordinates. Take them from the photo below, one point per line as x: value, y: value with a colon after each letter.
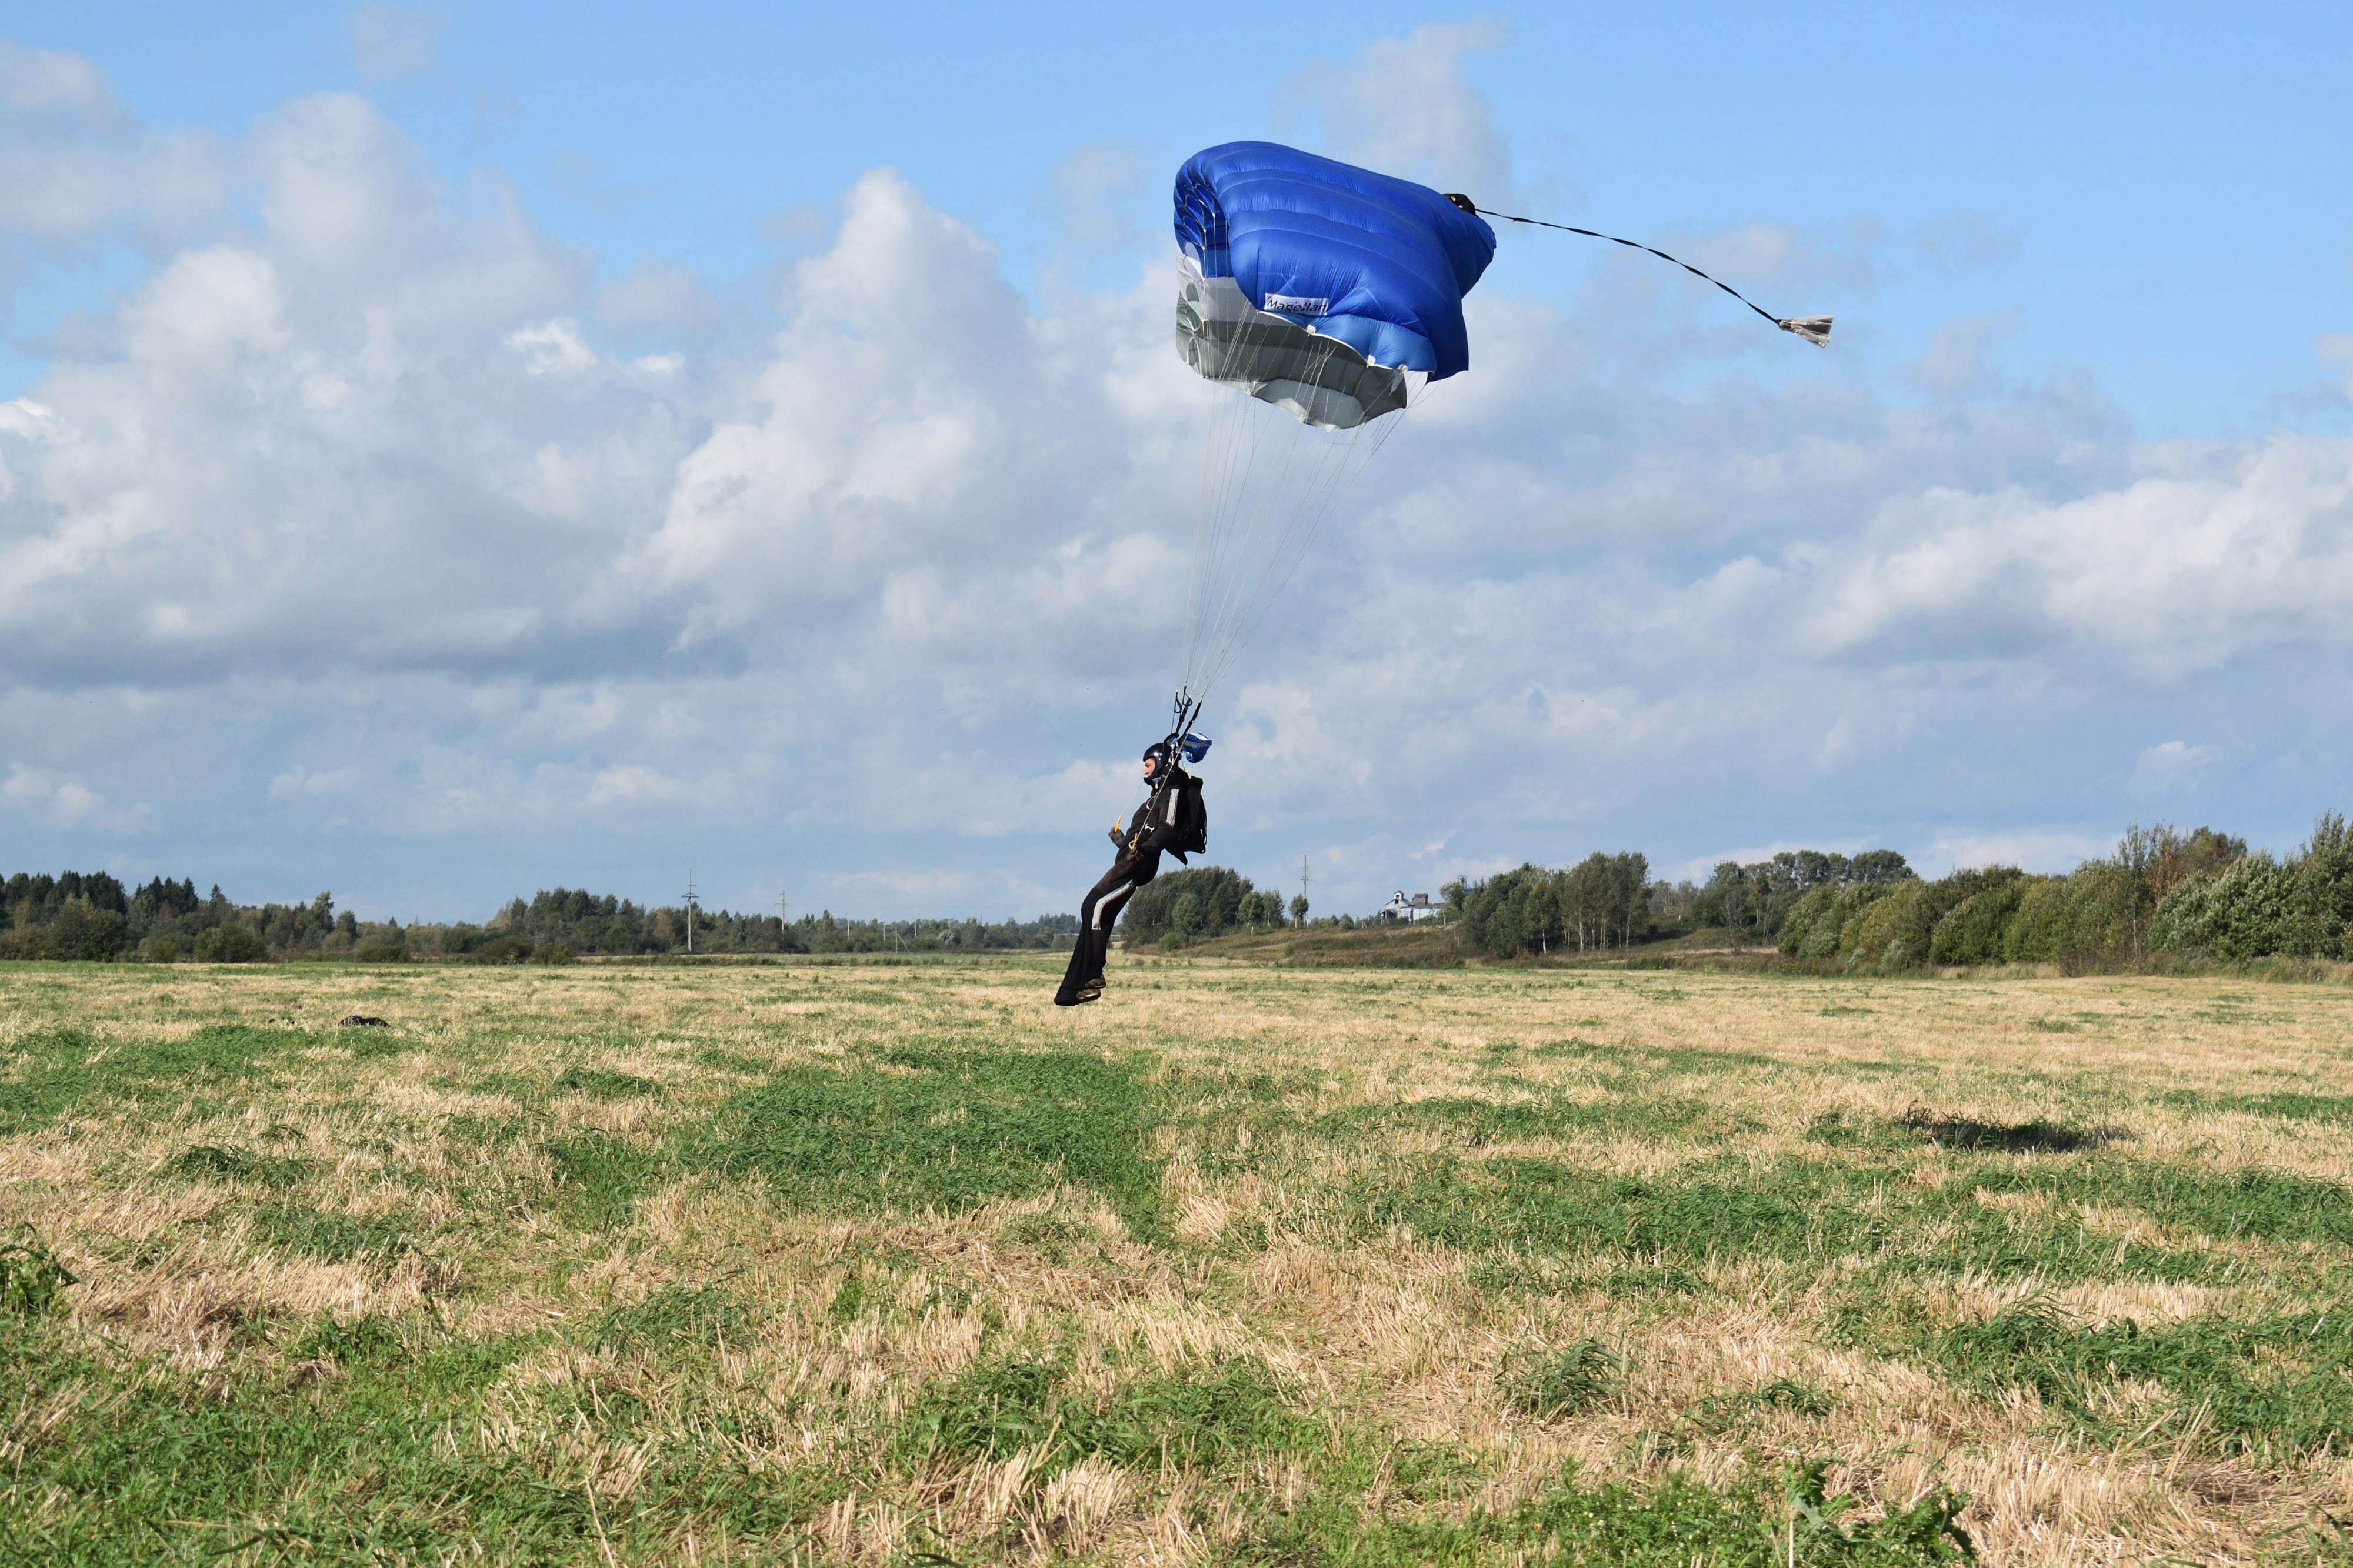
x: 901, y: 1264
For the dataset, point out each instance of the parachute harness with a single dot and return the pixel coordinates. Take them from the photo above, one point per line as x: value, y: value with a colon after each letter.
x: 1180, y: 741
x: 1815, y: 329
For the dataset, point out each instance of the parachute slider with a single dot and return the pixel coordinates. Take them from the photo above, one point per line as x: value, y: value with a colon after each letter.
x: 1815, y: 329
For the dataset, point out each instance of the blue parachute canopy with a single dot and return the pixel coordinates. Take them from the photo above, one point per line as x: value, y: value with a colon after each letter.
x: 1290, y: 258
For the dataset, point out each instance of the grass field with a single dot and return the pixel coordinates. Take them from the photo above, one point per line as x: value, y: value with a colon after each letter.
x: 880, y: 1264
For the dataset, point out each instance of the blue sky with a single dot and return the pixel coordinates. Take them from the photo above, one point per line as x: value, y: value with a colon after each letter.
x: 453, y: 453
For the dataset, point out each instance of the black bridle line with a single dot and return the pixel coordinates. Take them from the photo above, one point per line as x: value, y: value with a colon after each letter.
x: 1636, y: 245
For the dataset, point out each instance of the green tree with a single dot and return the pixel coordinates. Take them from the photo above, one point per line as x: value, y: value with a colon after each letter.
x: 233, y: 943
x: 1185, y: 921
x: 1218, y: 893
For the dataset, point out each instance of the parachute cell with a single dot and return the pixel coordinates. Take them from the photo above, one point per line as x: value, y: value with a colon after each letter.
x: 1315, y: 286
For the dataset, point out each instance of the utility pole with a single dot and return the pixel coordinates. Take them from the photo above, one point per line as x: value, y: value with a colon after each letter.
x: 1303, y: 876
x: 689, y: 912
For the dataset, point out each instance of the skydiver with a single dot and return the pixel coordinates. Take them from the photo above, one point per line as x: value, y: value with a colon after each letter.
x: 1172, y: 819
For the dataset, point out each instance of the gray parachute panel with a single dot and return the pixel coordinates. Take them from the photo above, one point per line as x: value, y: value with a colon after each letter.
x: 1319, y: 381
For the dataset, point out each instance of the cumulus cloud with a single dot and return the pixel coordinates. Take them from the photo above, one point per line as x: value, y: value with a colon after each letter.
x: 380, y: 509
x: 2208, y: 554
x: 76, y: 167
x: 2171, y: 767
x: 63, y: 801
x: 391, y: 41
x: 1406, y: 105
x: 2046, y: 852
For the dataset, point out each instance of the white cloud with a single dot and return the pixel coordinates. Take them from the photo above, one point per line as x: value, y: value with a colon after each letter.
x: 552, y: 348
x: 384, y: 499
x: 391, y: 41
x: 2207, y: 555
x: 2338, y: 347
x: 207, y: 314
x: 1404, y: 105
x: 62, y: 800
x: 297, y: 784
x: 75, y: 164
x: 1095, y: 191
x: 633, y: 785
x: 2170, y: 768
x: 2047, y: 851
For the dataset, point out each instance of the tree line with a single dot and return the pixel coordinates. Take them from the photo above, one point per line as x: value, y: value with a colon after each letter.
x: 1203, y: 902
x: 92, y: 917
x: 1603, y: 901
x: 2162, y: 895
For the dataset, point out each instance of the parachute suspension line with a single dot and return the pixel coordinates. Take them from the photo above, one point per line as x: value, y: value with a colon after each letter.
x: 1262, y: 549
x: 1313, y: 507
x: 1242, y: 512
x: 1815, y: 329
x: 1229, y: 457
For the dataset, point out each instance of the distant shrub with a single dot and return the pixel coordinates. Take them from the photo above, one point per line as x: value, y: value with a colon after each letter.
x: 380, y: 952
x: 1892, y: 932
x: 26, y: 944
x: 554, y: 953
x: 1260, y: 909
x: 1974, y: 930
x: 2086, y: 917
x: 2257, y: 907
x: 2245, y: 911
x: 501, y: 950
x: 229, y: 944
x: 162, y: 950
x: 1513, y: 913
x: 83, y: 933
x: 1217, y: 897
x: 1816, y: 925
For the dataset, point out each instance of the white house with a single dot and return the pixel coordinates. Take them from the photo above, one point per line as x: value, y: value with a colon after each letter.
x: 1416, y: 908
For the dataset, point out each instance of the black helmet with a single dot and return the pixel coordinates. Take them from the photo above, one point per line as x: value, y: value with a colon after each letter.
x: 1162, y: 753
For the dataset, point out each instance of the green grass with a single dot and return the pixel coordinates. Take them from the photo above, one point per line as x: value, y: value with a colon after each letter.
x: 1214, y: 1417
x: 330, y: 1237
x: 818, y: 1265
x: 604, y: 1085
x: 2278, y: 1389
x: 945, y: 1131
x: 153, y: 1468
x: 1766, y: 1518
x: 64, y: 1070
x: 1556, y: 1382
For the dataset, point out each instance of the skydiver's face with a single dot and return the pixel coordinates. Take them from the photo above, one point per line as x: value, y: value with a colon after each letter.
x: 1151, y: 766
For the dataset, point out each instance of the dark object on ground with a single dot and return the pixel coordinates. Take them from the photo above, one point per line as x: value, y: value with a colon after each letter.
x: 360, y: 1021
x: 2036, y: 1137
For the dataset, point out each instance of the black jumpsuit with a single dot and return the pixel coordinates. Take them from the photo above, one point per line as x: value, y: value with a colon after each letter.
x: 1138, y: 863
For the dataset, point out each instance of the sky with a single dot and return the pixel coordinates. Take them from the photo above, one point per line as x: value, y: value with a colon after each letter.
x: 446, y: 453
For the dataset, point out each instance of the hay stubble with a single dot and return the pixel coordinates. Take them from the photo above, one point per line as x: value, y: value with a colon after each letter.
x: 735, y: 1263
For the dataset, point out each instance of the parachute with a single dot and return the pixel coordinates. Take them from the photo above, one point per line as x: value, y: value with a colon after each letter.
x: 1321, y: 291
x: 1330, y: 298
x: 1315, y: 286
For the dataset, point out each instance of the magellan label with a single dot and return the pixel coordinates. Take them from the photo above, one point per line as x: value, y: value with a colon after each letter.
x: 1294, y: 305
